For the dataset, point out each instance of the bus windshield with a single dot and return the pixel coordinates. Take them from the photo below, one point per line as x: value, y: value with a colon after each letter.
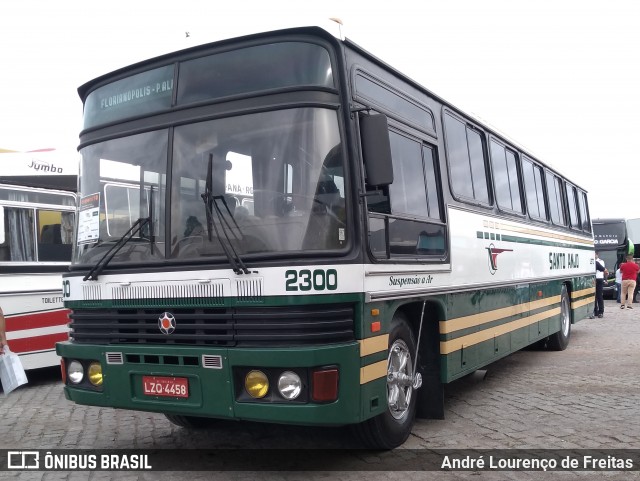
x: 612, y: 241
x: 276, y: 184
x: 609, y: 235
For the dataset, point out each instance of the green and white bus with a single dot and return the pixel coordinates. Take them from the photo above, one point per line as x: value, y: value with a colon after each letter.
x: 385, y: 242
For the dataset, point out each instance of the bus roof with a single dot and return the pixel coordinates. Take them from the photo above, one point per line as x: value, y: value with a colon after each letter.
x: 332, y: 28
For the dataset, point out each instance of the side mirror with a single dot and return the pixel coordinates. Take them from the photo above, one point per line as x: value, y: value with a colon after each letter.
x: 376, y: 150
x: 2, y: 225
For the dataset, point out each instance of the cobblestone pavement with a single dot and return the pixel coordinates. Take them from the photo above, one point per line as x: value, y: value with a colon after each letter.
x: 585, y: 397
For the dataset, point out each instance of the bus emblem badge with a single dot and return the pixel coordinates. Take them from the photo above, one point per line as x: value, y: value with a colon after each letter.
x: 493, y: 257
x: 167, y: 323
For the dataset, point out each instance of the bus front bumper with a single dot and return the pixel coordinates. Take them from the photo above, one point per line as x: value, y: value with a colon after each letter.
x: 210, y: 382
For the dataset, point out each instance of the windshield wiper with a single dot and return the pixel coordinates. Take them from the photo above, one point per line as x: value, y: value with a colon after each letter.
x: 209, y: 199
x: 126, y: 237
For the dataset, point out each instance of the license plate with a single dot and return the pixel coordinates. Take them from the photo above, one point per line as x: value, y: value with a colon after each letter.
x: 165, y: 386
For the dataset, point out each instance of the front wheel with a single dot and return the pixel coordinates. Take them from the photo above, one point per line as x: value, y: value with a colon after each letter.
x: 560, y: 340
x: 392, y: 428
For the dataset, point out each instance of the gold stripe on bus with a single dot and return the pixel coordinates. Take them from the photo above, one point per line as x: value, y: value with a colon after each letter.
x: 473, y: 320
x: 373, y: 371
x: 583, y: 302
x: 372, y: 345
x: 526, y: 230
x: 447, y: 347
x: 583, y: 292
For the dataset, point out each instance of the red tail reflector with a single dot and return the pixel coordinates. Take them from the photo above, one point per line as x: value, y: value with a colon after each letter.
x: 325, y: 385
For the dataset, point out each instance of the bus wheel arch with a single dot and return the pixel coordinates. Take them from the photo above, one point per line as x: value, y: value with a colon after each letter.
x: 560, y: 340
x: 392, y: 428
x: 430, y: 396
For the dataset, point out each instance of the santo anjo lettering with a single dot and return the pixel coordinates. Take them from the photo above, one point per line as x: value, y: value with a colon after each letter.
x: 560, y: 260
x: 44, y: 167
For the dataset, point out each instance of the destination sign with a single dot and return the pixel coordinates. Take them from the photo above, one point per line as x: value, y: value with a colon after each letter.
x: 139, y: 94
x: 136, y: 94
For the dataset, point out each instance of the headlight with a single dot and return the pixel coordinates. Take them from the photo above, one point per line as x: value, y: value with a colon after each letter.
x: 256, y: 384
x: 75, y: 372
x: 289, y: 385
x: 94, y: 373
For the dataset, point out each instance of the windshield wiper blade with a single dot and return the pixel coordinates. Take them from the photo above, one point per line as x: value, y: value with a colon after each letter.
x: 106, y: 258
x: 223, y: 222
x: 234, y: 259
x: 209, y: 199
x: 152, y: 237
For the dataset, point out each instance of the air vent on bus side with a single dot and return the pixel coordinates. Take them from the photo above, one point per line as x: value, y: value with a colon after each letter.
x: 114, y: 358
x: 211, y: 362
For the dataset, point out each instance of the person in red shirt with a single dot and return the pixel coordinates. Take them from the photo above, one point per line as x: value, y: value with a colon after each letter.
x: 629, y: 272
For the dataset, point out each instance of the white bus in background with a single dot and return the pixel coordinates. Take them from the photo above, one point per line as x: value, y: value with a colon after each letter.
x: 37, y: 210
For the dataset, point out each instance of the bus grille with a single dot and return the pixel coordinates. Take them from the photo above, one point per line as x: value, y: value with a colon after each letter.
x: 281, y: 326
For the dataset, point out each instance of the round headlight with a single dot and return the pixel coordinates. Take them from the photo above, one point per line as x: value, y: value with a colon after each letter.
x: 256, y: 384
x: 94, y: 373
x: 75, y: 372
x: 289, y: 385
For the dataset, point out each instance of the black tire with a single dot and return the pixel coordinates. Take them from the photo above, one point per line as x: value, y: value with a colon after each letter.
x: 560, y: 340
x: 189, y: 422
x: 392, y: 428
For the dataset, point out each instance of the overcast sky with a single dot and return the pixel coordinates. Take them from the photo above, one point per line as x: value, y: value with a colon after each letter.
x: 562, y: 78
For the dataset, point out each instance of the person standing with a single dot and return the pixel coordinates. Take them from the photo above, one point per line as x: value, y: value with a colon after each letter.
x: 3, y: 332
x: 629, y: 271
x: 601, y: 274
x: 618, y: 284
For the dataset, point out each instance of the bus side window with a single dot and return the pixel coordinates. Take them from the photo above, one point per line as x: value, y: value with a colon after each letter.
x: 465, y: 152
x: 554, y: 193
x: 584, y: 211
x: 19, y: 235
x: 505, y: 177
x: 534, y: 189
x: 54, y: 243
x: 4, y: 236
x: 572, y: 204
x: 414, y: 226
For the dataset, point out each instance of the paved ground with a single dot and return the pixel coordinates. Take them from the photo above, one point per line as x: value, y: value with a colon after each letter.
x: 585, y: 397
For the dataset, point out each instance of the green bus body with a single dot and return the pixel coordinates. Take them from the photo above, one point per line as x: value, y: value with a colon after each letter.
x: 342, y: 315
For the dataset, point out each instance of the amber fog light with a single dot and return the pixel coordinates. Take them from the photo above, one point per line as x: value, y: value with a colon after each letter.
x: 256, y: 384
x: 94, y: 373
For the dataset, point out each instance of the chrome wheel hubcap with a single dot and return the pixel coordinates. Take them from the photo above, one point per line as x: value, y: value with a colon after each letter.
x: 565, y: 316
x: 399, y: 379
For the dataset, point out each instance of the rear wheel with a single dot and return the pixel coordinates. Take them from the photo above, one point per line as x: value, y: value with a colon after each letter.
x: 560, y: 340
x: 392, y: 428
